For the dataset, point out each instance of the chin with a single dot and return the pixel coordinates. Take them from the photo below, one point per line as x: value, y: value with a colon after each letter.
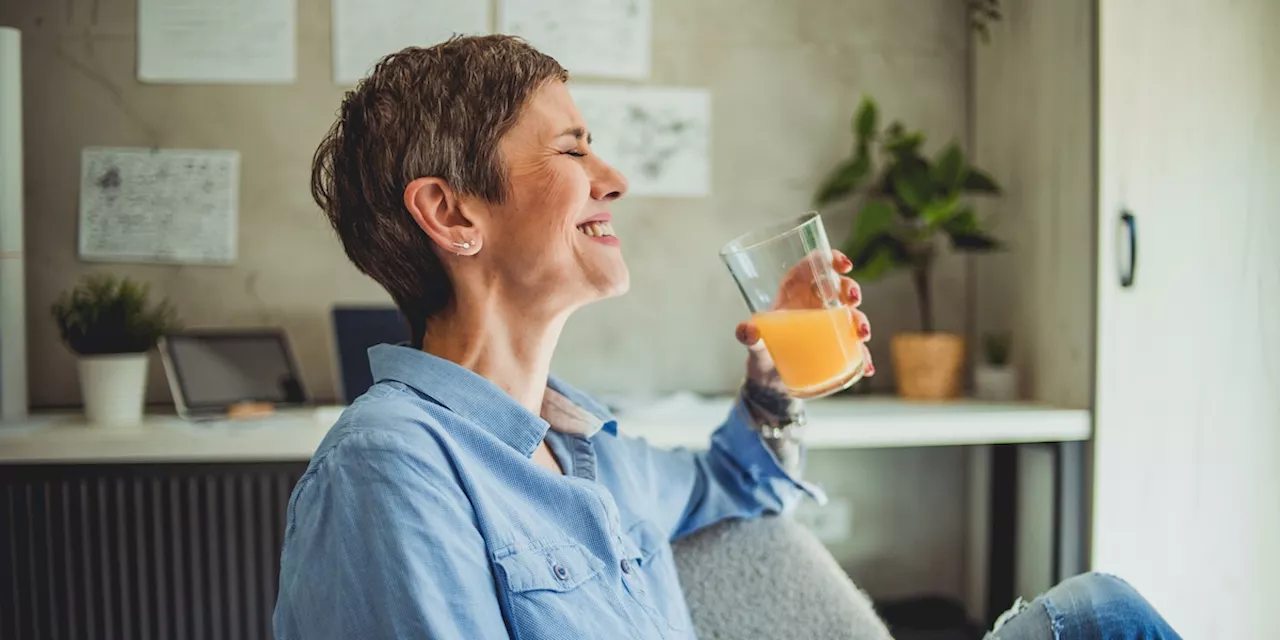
x: 615, y: 283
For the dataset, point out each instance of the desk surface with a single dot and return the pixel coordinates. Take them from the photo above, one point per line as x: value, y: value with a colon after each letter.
x: 834, y: 423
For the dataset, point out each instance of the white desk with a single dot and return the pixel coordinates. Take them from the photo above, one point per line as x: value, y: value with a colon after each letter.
x: 834, y: 423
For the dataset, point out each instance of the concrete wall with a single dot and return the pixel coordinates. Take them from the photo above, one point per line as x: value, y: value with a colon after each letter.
x: 1033, y: 101
x: 785, y: 77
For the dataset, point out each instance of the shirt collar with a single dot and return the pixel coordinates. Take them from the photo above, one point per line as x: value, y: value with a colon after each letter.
x: 486, y: 405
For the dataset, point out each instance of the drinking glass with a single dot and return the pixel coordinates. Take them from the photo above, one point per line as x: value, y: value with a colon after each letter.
x: 786, y: 276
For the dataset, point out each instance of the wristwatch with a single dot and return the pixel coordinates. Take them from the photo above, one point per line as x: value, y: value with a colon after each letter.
x: 779, y: 419
x: 787, y: 429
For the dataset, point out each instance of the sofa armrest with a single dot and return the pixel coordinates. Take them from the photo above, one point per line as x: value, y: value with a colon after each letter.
x: 770, y: 578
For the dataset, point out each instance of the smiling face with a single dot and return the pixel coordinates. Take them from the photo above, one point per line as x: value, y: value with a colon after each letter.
x: 551, y: 237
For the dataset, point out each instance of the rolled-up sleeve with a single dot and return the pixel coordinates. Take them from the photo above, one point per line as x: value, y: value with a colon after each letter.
x: 382, y: 545
x: 737, y: 476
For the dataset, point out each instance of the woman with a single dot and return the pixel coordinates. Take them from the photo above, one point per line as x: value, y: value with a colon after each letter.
x: 469, y: 494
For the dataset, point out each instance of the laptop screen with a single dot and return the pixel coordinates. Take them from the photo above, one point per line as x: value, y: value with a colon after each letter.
x: 355, y: 329
x: 217, y: 369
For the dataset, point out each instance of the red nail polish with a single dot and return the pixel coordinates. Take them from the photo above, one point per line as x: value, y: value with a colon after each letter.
x: 864, y: 329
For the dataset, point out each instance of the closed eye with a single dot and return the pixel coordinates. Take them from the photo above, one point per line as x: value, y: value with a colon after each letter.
x: 579, y: 135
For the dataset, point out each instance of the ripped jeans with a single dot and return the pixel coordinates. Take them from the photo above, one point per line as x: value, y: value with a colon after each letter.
x: 1087, y: 607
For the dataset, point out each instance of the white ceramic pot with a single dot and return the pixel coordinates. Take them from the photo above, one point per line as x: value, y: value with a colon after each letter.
x: 996, y: 384
x: 114, y: 388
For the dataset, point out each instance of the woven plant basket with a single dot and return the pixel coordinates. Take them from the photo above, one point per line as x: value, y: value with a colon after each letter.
x: 928, y: 366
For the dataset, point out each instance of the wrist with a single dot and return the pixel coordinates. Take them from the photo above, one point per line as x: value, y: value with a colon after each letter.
x: 780, y: 426
x: 771, y: 406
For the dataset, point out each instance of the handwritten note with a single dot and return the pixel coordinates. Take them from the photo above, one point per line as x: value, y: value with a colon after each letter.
x: 659, y: 137
x: 217, y: 42
x: 366, y: 30
x: 168, y: 205
x: 606, y: 38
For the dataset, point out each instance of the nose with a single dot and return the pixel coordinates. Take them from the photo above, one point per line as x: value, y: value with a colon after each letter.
x: 607, y: 183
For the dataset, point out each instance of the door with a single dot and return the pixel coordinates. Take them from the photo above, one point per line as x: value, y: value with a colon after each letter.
x: 1187, y: 450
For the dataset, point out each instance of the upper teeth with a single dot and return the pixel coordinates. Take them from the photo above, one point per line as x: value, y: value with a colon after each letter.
x: 597, y: 229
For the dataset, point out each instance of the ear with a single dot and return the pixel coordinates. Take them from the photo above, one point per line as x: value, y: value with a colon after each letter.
x: 437, y: 210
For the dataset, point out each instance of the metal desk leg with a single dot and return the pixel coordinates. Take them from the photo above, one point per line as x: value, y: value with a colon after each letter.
x: 1002, y: 555
x: 1070, y: 510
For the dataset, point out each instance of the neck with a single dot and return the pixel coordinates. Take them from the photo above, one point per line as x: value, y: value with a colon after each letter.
x: 506, y: 345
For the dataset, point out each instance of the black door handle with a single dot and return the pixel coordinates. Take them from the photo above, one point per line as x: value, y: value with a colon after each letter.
x: 1127, y: 249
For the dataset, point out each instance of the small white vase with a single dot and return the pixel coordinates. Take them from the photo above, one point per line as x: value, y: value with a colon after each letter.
x: 995, y: 383
x: 114, y: 388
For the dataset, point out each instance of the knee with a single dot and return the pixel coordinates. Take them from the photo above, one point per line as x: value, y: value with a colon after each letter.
x: 1101, y: 585
x: 1102, y: 597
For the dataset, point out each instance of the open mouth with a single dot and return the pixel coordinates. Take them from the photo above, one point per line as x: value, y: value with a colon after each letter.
x: 597, y: 229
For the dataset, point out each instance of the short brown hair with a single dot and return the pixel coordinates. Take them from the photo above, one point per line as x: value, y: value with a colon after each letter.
x: 422, y: 112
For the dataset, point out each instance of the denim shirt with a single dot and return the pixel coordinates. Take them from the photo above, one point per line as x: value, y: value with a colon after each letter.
x: 421, y: 514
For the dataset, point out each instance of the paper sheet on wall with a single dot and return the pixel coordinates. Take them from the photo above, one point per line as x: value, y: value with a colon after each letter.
x: 366, y: 30
x: 167, y: 205
x: 659, y: 137
x: 217, y: 42
x: 606, y: 38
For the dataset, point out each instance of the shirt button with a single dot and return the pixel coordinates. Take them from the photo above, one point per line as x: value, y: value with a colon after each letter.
x: 626, y: 565
x: 561, y: 572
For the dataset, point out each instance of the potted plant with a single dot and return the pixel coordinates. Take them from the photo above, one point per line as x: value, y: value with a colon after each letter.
x: 108, y: 323
x: 909, y: 207
x: 994, y: 378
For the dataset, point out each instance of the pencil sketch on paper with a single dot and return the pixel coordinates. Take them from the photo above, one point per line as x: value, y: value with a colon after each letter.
x: 659, y: 137
x: 234, y: 41
x: 604, y: 38
x: 364, y: 31
x: 158, y: 205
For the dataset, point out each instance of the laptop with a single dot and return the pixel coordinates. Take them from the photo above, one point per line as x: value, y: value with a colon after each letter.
x: 211, y: 371
x: 355, y: 329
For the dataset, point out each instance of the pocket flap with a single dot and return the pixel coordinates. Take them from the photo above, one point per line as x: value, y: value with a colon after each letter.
x: 649, y: 538
x: 558, y: 567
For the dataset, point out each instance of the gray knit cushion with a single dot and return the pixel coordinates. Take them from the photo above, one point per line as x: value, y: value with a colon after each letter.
x: 770, y: 578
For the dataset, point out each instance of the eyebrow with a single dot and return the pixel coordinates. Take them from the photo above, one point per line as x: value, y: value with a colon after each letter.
x: 576, y: 132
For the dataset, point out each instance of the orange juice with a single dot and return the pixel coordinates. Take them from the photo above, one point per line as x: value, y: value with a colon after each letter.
x: 816, y: 351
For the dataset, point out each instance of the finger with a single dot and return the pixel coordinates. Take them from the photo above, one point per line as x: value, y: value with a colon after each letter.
x: 749, y: 335
x: 840, y: 262
x: 851, y: 292
x: 868, y: 367
x: 861, y: 326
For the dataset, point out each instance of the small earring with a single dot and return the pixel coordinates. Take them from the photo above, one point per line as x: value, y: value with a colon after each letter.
x: 463, y: 245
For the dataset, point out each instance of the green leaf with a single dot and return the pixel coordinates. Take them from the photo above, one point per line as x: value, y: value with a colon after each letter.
x: 874, y: 220
x: 106, y: 314
x: 912, y: 184
x: 864, y: 124
x: 995, y: 347
x: 976, y: 181
x: 973, y: 241
x: 948, y: 169
x: 963, y: 220
x: 845, y: 178
x: 901, y: 143
x: 937, y: 212
x: 966, y: 234
x: 878, y: 257
x: 907, y: 146
x: 874, y: 267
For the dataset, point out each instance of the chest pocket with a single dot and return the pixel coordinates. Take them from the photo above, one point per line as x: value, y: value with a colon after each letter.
x: 560, y: 567
x: 549, y: 587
